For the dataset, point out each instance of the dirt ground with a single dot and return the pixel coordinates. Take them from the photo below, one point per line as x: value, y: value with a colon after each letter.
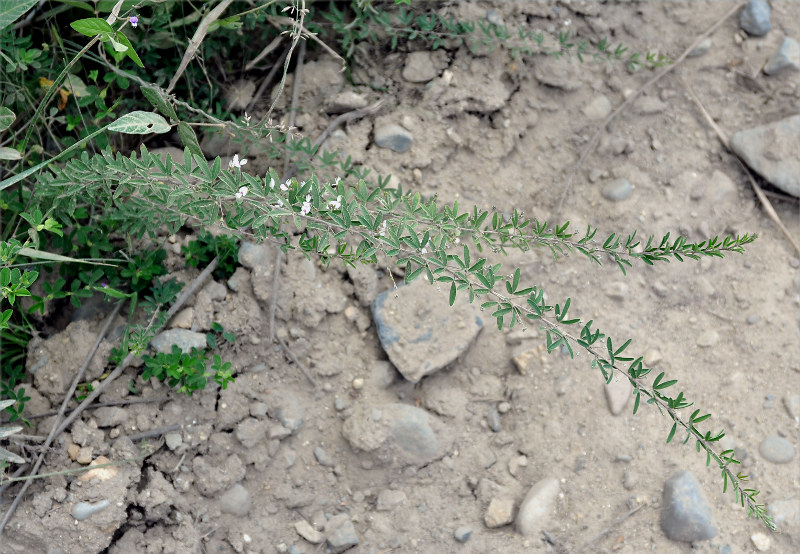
x: 271, y: 464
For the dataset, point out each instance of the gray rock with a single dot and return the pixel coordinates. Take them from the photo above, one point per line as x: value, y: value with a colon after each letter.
x: 493, y: 419
x: 236, y: 501
x: 323, y: 458
x: 173, y: 440
x: 110, y: 416
x: 307, y: 531
x: 389, y: 499
x: 563, y: 73
x: 776, y: 450
x: 499, y: 513
x: 787, y: 58
x: 250, y: 432
x: 420, y: 332
x: 463, y: 533
x: 419, y: 68
x: 536, y: 507
x: 708, y: 338
x: 598, y: 108
x: 701, y: 49
x: 617, y: 190
x: 618, y: 393
x: 686, y: 514
x: 340, y: 533
x: 260, y: 260
x: 393, y: 137
x: 84, y: 510
x: 755, y: 18
x: 792, y: 405
x: 771, y: 150
x: 753, y: 319
x: 397, y: 434
x: 182, y: 338
x: 289, y: 411
x: 494, y: 17
x: 346, y: 101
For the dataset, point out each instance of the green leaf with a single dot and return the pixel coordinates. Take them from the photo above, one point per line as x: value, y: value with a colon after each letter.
x: 140, y: 123
x: 452, y: 292
x: 672, y: 432
x: 7, y: 117
x: 130, y: 52
x: 7, y: 153
x: 92, y: 26
x: 12, y: 10
x: 189, y: 138
x: 160, y: 101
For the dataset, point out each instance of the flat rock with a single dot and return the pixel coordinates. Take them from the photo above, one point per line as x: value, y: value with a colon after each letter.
x: 499, y: 513
x: 755, y: 18
x: 776, y: 450
x: 236, y: 501
x: 563, y: 73
x: 340, y: 533
x: 536, y: 507
x: 598, y: 108
x: 419, y: 67
x: 686, y: 514
x: 617, y: 190
x: 393, y: 137
x: 771, y: 150
x: 786, y: 59
x: 618, y: 392
x: 182, y: 338
x: 307, y: 531
x: 420, y: 332
x: 397, y: 434
x: 346, y: 101
x: 389, y: 499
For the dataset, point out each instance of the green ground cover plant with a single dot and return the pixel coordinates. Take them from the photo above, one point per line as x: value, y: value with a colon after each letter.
x: 77, y: 182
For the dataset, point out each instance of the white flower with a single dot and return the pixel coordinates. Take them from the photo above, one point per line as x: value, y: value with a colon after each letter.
x: 306, y: 209
x: 336, y: 182
x: 285, y: 186
x: 383, y: 229
x: 242, y: 192
x: 271, y: 183
x: 335, y: 204
x: 280, y: 203
x: 236, y: 162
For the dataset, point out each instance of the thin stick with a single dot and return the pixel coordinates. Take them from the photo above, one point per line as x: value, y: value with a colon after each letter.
x: 296, y: 361
x: 106, y: 404
x: 155, y: 432
x: 197, y: 40
x: 346, y: 118
x: 610, y: 528
x: 298, y: 78
x: 628, y: 101
x: 723, y: 138
x: 264, y: 53
x: 267, y: 80
x: 103, y: 385
x: 279, y: 20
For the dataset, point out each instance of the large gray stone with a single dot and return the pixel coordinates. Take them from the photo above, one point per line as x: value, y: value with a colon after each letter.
x: 397, y: 435
x: 420, y: 332
x: 686, y: 514
x: 787, y: 58
x: 537, y: 506
x: 755, y: 18
x: 773, y: 150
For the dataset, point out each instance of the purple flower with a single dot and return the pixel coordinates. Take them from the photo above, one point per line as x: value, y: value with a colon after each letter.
x: 134, y: 21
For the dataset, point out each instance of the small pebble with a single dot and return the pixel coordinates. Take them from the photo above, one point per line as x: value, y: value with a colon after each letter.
x: 503, y: 407
x: 500, y: 512
x: 701, y: 48
x: 776, y: 450
x: 617, y: 190
x: 305, y: 530
x: 787, y: 58
x: 322, y: 457
x: 339, y: 404
x: 493, y: 419
x: 84, y: 510
x: 493, y: 17
x: 761, y: 541
x: 463, y: 533
x: 708, y: 338
x: 358, y: 383
x: 393, y: 137
x: 755, y: 18
x: 753, y: 319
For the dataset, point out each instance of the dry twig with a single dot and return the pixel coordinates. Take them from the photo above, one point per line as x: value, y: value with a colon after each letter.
x: 723, y: 138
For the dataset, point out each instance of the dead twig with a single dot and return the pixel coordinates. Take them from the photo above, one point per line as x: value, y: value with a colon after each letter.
x: 346, y: 118
x: 628, y: 101
x: 723, y: 138
x: 103, y: 385
x: 264, y: 53
x: 105, y: 405
x: 608, y: 529
x: 296, y: 361
x: 197, y: 40
x: 155, y: 432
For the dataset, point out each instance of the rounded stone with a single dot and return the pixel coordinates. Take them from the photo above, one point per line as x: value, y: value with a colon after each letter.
x: 393, y: 137
x: 755, y: 18
x: 617, y: 190
x: 463, y: 533
x: 776, y: 450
